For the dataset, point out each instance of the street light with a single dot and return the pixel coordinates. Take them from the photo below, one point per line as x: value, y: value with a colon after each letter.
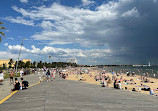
x: 37, y: 61
x: 19, y: 56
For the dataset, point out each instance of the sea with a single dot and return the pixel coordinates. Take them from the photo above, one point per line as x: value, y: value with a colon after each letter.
x: 138, y: 70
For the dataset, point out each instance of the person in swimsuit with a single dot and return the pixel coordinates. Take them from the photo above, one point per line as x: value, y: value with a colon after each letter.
x: 11, y: 77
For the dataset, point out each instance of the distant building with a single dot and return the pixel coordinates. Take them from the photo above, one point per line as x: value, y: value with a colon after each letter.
x: 6, y: 61
x: 149, y: 64
x: 138, y: 65
x: 26, y: 60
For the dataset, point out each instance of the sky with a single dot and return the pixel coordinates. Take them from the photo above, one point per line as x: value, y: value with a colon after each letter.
x: 91, y: 31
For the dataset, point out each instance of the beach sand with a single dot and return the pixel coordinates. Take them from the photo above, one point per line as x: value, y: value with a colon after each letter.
x: 90, y: 79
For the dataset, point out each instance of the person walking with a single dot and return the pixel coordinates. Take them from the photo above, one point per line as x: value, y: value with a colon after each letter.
x: 48, y: 75
x: 21, y: 73
x: 11, y: 77
x: 1, y: 77
x: 40, y: 76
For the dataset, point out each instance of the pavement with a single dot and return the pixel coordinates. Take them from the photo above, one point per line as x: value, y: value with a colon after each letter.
x: 68, y: 95
x: 6, y: 87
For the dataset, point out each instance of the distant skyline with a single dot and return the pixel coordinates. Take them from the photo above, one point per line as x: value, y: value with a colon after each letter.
x: 91, y: 31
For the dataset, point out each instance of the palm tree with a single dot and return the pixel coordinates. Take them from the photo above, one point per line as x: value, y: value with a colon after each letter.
x: 10, y: 63
x: 1, y: 32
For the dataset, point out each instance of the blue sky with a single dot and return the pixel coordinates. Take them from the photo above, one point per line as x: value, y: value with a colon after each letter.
x: 90, y: 31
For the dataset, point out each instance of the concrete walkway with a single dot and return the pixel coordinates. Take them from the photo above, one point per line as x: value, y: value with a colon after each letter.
x: 67, y: 95
x: 6, y: 87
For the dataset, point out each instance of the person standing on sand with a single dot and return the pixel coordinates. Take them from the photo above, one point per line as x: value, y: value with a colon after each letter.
x: 11, y: 77
x: 119, y: 85
x: 154, y: 75
x: 147, y: 75
x: 116, y: 84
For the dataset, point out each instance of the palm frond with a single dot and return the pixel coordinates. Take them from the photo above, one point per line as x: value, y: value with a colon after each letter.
x: 2, y: 28
x: 1, y: 23
x: 2, y: 34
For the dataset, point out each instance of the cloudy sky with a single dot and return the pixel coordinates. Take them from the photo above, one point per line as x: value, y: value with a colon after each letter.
x: 91, y: 31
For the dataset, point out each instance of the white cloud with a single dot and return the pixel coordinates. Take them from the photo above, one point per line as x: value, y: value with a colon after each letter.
x: 8, y: 55
x: 6, y: 44
x: 20, y: 20
x: 47, y: 25
x: 68, y: 24
x: 24, y: 1
x: 16, y: 49
x: 11, y: 38
x: 60, y: 53
x: 133, y: 12
x: 87, y: 2
x: 35, y: 50
x: 155, y: 1
x: 118, y: 26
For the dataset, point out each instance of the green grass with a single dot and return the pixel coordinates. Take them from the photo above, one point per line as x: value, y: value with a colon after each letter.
x: 7, y: 75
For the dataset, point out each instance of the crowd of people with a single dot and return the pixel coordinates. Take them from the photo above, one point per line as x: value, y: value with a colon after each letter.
x: 109, y: 78
x: 13, y: 80
x: 17, y: 85
x: 116, y: 80
x: 144, y: 78
x: 50, y: 74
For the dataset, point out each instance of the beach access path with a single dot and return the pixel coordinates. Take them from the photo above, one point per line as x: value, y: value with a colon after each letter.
x: 68, y: 95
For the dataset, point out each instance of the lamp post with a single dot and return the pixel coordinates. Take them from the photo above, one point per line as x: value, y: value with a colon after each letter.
x: 37, y: 61
x: 49, y: 61
x: 19, y: 56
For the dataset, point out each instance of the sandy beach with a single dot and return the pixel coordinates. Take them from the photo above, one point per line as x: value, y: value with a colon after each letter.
x: 135, y: 83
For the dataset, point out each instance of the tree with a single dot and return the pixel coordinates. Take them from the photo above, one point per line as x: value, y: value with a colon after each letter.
x: 1, y: 32
x: 10, y: 63
x: 15, y: 65
x: 40, y: 64
x: 27, y: 64
x: 4, y: 66
x: 33, y: 65
x: 21, y: 64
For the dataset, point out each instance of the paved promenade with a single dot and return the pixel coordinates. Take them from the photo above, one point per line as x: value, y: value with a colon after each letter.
x: 6, y: 87
x: 67, y: 95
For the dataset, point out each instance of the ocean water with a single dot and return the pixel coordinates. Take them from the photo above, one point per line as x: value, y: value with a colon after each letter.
x: 138, y: 70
